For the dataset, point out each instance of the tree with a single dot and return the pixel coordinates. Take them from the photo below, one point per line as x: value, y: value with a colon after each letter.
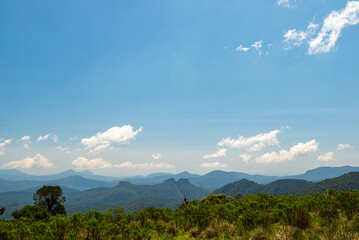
x: 51, y: 198
x: 32, y: 212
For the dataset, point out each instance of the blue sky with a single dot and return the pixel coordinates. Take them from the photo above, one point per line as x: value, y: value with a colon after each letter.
x: 160, y: 84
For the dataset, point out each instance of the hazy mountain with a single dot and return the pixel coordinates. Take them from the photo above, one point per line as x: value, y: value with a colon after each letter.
x: 74, y: 182
x: 322, y: 173
x: 16, y: 175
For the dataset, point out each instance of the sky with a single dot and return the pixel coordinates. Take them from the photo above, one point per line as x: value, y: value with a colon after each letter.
x: 130, y: 87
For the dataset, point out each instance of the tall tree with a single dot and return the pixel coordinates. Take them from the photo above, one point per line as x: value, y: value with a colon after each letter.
x: 51, y: 198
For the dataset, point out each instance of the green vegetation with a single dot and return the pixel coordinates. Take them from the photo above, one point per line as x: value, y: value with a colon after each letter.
x: 329, y: 215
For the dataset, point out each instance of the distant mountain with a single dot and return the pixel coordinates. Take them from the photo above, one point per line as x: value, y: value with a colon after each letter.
x: 16, y: 175
x: 322, y: 173
x: 158, y: 178
x: 73, y: 182
x: 13, y: 174
x: 124, y: 191
x: 212, y: 180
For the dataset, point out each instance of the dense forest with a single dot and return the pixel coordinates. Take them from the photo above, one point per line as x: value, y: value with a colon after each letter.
x: 329, y: 215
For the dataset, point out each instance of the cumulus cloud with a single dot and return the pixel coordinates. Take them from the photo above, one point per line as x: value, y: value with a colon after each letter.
x: 256, y: 45
x: 285, y: 155
x: 220, y: 153
x: 115, y: 135
x: 63, y: 149
x: 38, y: 161
x: 296, y: 38
x: 156, y: 156
x: 255, y: 143
x: 245, y: 157
x: 343, y: 147
x: 49, y: 136
x: 326, y: 157
x: 213, y: 165
x: 332, y: 27
x: 3, y: 143
x: 84, y: 163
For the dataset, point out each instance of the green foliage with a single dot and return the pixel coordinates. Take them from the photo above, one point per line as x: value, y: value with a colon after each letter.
x: 51, y: 198
x: 37, y: 212
x: 329, y: 215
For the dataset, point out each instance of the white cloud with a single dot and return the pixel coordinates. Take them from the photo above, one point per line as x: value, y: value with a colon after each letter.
x: 246, y: 157
x: 119, y: 135
x: 284, y: 155
x: 296, y: 38
x: 25, y: 138
x: 329, y: 33
x: 51, y: 136
x: 220, y: 153
x: 156, y: 156
x: 242, y: 49
x: 26, y: 142
x: 63, y: 149
x: 37, y: 161
x: 3, y: 143
x: 144, y: 165
x: 213, y: 165
x: 344, y: 146
x: 332, y: 27
x: 84, y: 163
x: 326, y: 157
x: 286, y: 3
x: 256, y: 45
x: 255, y: 143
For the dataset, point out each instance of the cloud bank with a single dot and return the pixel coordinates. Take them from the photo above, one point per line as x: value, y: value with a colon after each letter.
x: 84, y: 163
x: 213, y: 165
x: 285, y: 155
x: 253, y: 144
x: 38, y: 161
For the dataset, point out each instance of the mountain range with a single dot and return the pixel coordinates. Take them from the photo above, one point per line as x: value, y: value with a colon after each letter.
x: 15, y: 180
x: 170, y: 193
